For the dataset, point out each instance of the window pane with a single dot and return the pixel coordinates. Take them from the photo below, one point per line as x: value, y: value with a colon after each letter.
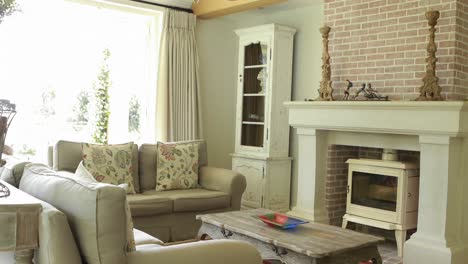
x: 51, y: 56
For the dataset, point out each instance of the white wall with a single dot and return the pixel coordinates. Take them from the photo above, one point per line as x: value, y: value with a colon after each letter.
x: 217, y: 45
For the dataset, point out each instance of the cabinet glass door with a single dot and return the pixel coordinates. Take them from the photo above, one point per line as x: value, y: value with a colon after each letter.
x: 254, y: 92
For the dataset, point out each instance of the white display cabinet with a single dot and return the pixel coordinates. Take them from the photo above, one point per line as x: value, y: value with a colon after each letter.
x: 262, y: 130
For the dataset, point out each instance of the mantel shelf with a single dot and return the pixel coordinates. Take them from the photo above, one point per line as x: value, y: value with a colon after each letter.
x: 398, y: 117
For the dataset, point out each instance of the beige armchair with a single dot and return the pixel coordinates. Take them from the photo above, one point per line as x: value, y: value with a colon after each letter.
x: 95, y: 232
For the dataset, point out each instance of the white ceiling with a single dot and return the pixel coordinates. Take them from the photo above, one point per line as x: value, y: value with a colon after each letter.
x: 177, y: 3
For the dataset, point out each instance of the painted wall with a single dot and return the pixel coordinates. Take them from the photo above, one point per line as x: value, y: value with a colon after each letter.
x: 218, y: 48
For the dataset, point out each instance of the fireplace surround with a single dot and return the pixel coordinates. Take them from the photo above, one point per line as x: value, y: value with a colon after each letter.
x: 437, y: 129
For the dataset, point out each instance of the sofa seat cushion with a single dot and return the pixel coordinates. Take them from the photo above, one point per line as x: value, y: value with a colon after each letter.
x: 148, y: 204
x: 194, y: 199
x: 142, y: 238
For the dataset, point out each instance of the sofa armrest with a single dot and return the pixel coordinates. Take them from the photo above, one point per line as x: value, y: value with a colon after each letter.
x: 224, y: 180
x: 203, y: 252
x: 13, y: 170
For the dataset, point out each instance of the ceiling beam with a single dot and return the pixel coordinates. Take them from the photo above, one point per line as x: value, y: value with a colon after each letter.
x: 216, y: 8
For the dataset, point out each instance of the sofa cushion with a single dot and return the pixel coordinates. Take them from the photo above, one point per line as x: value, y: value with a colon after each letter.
x: 142, y: 238
x: 147, y: 163
x: 56, y: 242
x: 194, y: 199
x: 84, y: 175
x: 13, y: 170
x: 110, y: 163
x: 177, y: 166
x: 96, y: 212
x: 67, y: 155
x: 147, y: 205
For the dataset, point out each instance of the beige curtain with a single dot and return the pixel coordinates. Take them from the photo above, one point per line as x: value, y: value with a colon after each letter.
x: 178, y: 101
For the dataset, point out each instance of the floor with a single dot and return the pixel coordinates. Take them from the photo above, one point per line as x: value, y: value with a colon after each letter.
x: 388, y: 251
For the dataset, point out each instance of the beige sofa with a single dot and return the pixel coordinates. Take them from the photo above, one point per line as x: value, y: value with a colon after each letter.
x: 167, y: 215
x: 84, y: 222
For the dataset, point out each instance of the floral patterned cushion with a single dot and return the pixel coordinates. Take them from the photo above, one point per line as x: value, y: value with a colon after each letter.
x: 110, y: 163
x: 177, y: 166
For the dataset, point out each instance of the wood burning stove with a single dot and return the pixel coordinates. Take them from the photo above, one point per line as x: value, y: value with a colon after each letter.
x: 383, y: 194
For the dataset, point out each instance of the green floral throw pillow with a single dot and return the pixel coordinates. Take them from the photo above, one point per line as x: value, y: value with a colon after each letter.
x: 177, y: 166
x: 110, y: 163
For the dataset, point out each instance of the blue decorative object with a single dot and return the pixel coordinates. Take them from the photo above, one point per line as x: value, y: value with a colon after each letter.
x: 281, y: 220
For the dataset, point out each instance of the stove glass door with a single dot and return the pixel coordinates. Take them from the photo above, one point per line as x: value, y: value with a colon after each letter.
x: 374, y: 190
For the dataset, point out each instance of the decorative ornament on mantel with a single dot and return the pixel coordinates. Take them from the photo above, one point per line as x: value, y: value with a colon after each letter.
x: 430, y: 90
x: 326, y: 90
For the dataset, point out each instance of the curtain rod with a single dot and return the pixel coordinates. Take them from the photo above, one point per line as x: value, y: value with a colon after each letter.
x: 166, y: 6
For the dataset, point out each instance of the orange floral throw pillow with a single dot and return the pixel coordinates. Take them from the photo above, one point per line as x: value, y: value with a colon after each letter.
x: 110, y: 163
x: 177, y: 166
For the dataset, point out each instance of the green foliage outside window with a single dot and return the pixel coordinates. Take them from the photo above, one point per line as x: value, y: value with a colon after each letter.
x: 47, y: 109
x: 25, y: 151
x: 101, y: 90
x: 134, y: 115
x: 7, y: 7
x: 81, y: 108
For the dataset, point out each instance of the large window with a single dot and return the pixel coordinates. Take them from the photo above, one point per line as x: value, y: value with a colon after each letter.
x: 56, y: 58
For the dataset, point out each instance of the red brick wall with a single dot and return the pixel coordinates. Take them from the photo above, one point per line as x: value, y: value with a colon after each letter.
x: 337, y: 180
x: 461, y: 60
x: 384, y: 42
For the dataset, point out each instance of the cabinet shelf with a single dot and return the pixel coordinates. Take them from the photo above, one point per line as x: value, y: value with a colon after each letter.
x: 253, y: 123
x: 256, y: 66
x: 254, y: 94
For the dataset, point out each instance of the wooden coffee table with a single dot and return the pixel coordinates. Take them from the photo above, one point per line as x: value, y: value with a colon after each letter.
x: 311, y: 243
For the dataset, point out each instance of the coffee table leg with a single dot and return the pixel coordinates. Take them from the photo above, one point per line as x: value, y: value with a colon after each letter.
x: 24, y: 256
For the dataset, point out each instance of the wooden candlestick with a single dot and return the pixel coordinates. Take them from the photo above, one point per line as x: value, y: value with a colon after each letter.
x: 430, y: 90
x: 326, y: 90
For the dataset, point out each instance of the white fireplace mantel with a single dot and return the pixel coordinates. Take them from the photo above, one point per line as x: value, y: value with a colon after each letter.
x: 401, y: 117
x: 439, y: 130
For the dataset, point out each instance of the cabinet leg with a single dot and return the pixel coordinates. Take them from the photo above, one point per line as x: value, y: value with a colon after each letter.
x: 24, y: 256
x: 344, y: 224
x: 400, y: 236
